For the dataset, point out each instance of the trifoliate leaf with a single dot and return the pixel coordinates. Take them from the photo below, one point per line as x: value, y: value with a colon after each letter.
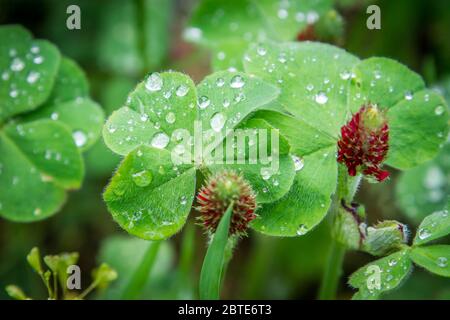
x: 160, y: 126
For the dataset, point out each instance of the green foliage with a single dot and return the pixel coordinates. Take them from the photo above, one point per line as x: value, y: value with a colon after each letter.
x: 321, y: 86
x: 213, y: 265
x: 393, y: 269
x: 151, y: 132
x: 133, y: 35
x: 227, y: 27
x: 46, y: 121
x: 423, y: 189
x: 55, y: 279
x: 126, y: 254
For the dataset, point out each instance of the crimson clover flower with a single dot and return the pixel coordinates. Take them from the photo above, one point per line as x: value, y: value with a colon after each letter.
x: 364, y: 143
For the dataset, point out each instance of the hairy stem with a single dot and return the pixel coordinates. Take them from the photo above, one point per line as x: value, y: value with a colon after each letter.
x: 333, y: 271
x: 346, y: 189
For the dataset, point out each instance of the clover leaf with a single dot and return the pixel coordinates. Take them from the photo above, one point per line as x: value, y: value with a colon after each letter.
x: 46, y: 120
x: 227, y: 27
x: 151, y: 194
x: 321, y: 86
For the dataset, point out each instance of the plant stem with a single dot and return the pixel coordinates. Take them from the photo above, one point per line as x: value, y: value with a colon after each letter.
x: 140, y: 276
x: 346, y: 189
x: 333, y: 271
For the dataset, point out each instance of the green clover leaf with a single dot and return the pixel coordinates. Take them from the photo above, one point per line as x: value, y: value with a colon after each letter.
x: 382, y: 275
x: 46, y: 120
x: 321, y: 86
x: 150, y: 195
x: 227, y: 27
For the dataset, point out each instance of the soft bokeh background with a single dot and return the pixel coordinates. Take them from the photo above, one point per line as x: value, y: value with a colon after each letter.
x: 413, y: 32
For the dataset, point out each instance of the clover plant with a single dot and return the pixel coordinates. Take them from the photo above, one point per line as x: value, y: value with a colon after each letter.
x: 46, y: 121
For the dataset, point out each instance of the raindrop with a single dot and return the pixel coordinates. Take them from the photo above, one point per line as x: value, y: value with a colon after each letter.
x: 54, y: 116
x: 321, y: 98
x: 298, y: 163
x: 237, y: 82
x: 408, y: 95
x: 392, y: 262
x: 302, y: 229
x: 38, y: 60
x: 203, y: 102
x: 300, y: 17
x: 13, y: 93
x: 5, y: 75
x: 183, y: 200
x: 226, y: 103
x: 266, y: 173
x: 261, y: 50
x: 182, y: 90
x: 160, y: 140
x: 345, y: 75
x: 142, y: 178
x: 310, y: 87
x: 80, y: 138
x: 32, y: 77
x: 37, y: 211
x: 424, y: 233
x: 220, y: 82
x: 17, y: 65
x: 170, y: 117
x: 442, y: 262
x: 154, y: 82
x: 217, y: 121
x: 439, y: 110
x: 283, y: 13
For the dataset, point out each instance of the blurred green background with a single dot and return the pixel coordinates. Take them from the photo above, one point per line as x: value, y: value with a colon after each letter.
x: 115, y: 57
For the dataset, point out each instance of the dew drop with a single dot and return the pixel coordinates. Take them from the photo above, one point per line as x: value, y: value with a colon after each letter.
x: 302, y: 229
x: 13, y: 93
x: 266, y: 173
x: 345, y: 75
x: 154, y: 82
x: 17, y: 65
x: 261, y: 50
x: 439, y: 110
x: 220, y: 82
x: 217, y: 121
x: 298, y: 162
x: 442, y: 262
x: 32, y: 77
x: 237, y: 82
x: 321, y: 98
x: 226, y: 103
x: 183, y: 200
x: 170, y: 117
x: 80, y: 138
x: 182, y: 90
x: 160, y: 140
x: 38, y: 60
x: 203, y: 102
x: 408, y: 95
x: 424, y: 233
x: 142, y: 178
x: 392, y: 262
x: 283, y: 14
x: 37, y: 211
